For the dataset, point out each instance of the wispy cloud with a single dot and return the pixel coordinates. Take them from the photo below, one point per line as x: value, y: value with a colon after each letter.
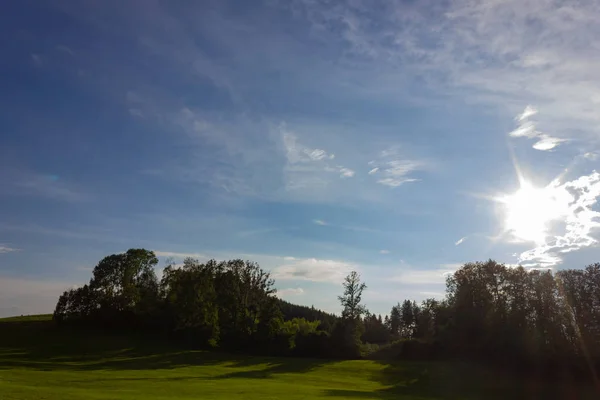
x: 7, y: 249
x: 290, y: 292
x: 366, y: 229
x: 413, y: 276
x: 527, y: 129
x: 136, y: 112
x: 392, y: 170
x: 281, y: 268
x: 247, y: 158
x: 37, y: 59
x: 345, y: 172
x: 70, y: 232
x: 384, y: 252
x: 435, y: 295
x: 529, y: 111
x: 542, y: 59
x: 576, y: 201
x: 180, y: 255
x: 460, y: 241
x: 464, y: 47
x: 309, y: 167
x: 312, y: 269
x: 65, y: 49
x: 51, y: 186
x: 262, y: 231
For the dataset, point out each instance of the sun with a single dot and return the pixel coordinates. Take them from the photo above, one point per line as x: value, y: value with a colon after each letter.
x: 529, y: 211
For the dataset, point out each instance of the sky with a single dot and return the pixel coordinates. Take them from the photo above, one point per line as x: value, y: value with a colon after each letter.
x: 399, y: 139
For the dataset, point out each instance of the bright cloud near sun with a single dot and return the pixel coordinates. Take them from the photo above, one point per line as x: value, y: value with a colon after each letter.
x: 558, y: 218
x: 527, y: 128
x: 530, y: 210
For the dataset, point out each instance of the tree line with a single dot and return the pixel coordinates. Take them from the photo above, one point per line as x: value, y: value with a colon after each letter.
x: 228, y: 304
x: 529, y: 319
x: 500, y: 314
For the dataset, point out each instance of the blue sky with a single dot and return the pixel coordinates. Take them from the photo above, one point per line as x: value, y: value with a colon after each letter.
x: 399, y: 139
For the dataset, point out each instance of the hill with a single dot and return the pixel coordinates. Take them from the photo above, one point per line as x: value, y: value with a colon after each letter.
x: 40, y: 360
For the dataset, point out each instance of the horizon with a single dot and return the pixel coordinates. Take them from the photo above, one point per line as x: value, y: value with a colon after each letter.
x: 312, y: 137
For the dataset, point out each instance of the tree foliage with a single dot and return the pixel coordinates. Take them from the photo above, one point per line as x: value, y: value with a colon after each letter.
x: 352, y: 309
x: 230, y: 304
x: 491, y: 311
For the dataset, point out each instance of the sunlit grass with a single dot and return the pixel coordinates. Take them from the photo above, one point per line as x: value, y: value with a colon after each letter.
x: 37, y: 361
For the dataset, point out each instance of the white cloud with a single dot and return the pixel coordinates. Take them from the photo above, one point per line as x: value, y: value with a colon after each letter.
x: 312, y: 269
x: 546, y: 142
x: 435, y: 295
x: 392, y: 169
x: 352, y: 227
x: 416, y: 277
x: 499, y: 53
x: 318, y: 154
x: 290, y: 292
x: 7, y: 249
x: 308, y: 168
x: 180, y: 255
x: 528, y: 112
x: 395, y: 182
x: 576, y: 200
x: 528, y: 129
x: 411, y: 276
x: 281, y: 268
x: 346, y: 172
x: 460, y: 241
x: 298, y: 153
x: 384, y: 252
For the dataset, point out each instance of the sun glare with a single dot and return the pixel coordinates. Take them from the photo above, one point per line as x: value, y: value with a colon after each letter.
x: 529, y: 211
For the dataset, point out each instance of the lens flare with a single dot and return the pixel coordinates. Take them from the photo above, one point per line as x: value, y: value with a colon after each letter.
x: 530, y: 210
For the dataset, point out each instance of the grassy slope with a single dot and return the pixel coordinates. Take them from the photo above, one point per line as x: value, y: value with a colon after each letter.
x: 39, y: 361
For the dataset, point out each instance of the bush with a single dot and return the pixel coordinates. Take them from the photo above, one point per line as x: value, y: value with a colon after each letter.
x: 312, y: 344
x: 414, y: 349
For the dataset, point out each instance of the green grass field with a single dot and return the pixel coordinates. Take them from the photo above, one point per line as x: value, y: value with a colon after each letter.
x: 40, y: 361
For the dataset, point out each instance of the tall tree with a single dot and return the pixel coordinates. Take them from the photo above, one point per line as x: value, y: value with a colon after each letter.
x: 191, y: 301
x: 348, y: 330
x: 352, y: 308
x: 126, y: 281
x: 407, y: 315
x: 395, y: 320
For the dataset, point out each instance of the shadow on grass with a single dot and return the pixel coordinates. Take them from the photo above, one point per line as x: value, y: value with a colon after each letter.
x: 457, y: 380
x: 39, y: 345
x: 278, y: 366
x: 271, y: 367
x: 42, y: 346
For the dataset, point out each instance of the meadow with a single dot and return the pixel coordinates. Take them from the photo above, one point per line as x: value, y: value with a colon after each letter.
x: 41, y: 361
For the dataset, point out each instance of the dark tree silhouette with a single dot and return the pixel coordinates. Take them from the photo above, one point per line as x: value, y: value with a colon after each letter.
x: 529, y: 319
